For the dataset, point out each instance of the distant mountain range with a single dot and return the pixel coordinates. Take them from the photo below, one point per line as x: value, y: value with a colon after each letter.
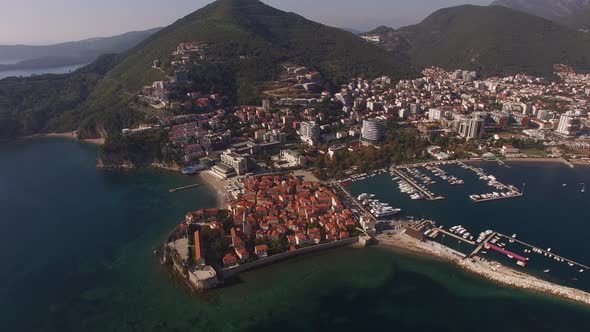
x: 490, y: 39
x: 69, y: 53
x: 573, y: 13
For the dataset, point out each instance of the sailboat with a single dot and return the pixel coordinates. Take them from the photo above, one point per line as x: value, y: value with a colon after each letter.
x: 583, y: 187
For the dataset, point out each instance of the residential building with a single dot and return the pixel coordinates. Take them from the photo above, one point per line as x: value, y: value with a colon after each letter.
x: 373, y: 130
x: 234, y: 160
x: 310, y: 132
x: 569, y: 124
x: 261, y: 251
x: 293, y: 158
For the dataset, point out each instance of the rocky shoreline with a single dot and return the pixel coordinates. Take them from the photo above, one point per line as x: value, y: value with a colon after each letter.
x: 489, y: 270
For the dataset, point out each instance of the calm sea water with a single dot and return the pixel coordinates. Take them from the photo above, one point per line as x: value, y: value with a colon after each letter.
x: 76, y: 246
x: 39, y: 71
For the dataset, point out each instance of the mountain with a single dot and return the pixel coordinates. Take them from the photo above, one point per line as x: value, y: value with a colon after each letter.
x: 354, y: 31
x: 493, y: 40
x: 70, y: 53
x: 553, y: 10
x: 390, y: 39
x: 572, y: 13
x: 578, y: 20
x: 248, y: 40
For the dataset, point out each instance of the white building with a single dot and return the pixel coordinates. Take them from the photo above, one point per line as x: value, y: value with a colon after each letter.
x: 372, y: 38
x: 293, y: 158
x: 569, y: 124
x: 310, y: 132
x: 373, y: 130
x: 234, y: 160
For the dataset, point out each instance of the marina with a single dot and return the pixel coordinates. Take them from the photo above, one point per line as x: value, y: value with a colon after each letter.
x: 377, y: 208
x: 408, y: 184
x: 501, y: 249
x: 503, y: 191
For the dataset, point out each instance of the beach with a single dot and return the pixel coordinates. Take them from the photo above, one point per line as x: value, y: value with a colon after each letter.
x: 489, y: 270
x: 218, y: 186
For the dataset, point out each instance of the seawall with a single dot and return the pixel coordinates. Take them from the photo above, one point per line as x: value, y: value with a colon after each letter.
x: 233, y: 271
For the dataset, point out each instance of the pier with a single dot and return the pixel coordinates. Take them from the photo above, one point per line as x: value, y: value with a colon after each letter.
x: 482, y: 244
x: 411, y: 182
x: 183, y: 188
x: 444, y: 231
x: 498, y: 198
x: 545, y: 252
x: 493, y: 182
x: 352, y: 201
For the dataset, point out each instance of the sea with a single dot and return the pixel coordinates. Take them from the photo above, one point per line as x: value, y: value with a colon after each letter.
x: 77, y: 245
x: 39, y: 71
x: 553, y: 213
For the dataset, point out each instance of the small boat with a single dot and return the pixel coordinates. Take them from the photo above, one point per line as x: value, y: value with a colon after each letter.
x: 564, y: 185
x: 546, y: 271
x: 581, y: 271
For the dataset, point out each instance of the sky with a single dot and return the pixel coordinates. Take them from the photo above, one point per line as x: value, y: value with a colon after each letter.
x: 41, y: 22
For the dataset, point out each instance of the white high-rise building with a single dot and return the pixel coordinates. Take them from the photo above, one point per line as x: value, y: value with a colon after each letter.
x: 373, y: 130
x: 569, y: 124
x: 310, y: 132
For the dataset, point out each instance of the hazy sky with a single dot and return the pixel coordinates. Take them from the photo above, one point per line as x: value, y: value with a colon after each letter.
x: 51, y: 21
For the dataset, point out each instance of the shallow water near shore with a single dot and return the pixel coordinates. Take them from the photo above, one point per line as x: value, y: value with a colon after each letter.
x: 76, y: 246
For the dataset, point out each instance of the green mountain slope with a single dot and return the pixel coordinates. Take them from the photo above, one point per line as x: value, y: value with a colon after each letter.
x: 493, y: 40
x: 265, y: 36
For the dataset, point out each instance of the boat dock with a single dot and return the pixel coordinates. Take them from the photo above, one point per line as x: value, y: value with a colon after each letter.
x: 445, y: 232
x: 495, y: 198
x: 183, y: 188
x: 429, y: 196
x: 482, y: 244
x: 352, y: 201
x: 511, y: 191
x: 542, y: 251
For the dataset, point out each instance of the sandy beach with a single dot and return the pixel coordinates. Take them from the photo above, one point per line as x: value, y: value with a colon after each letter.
x: 218, y: 186
x: 490, y: 270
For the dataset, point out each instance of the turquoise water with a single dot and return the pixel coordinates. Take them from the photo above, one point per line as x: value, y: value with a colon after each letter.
x: 77, y: 244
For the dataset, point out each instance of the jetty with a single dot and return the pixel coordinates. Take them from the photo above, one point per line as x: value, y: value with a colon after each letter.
x: 444, y: 231
x: 173, y: 190
x: 429, y: 196
x: 546, y: 252
x: 482, y: 244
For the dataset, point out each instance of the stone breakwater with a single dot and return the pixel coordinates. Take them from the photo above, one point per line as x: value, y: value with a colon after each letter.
x: 490, y: 270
